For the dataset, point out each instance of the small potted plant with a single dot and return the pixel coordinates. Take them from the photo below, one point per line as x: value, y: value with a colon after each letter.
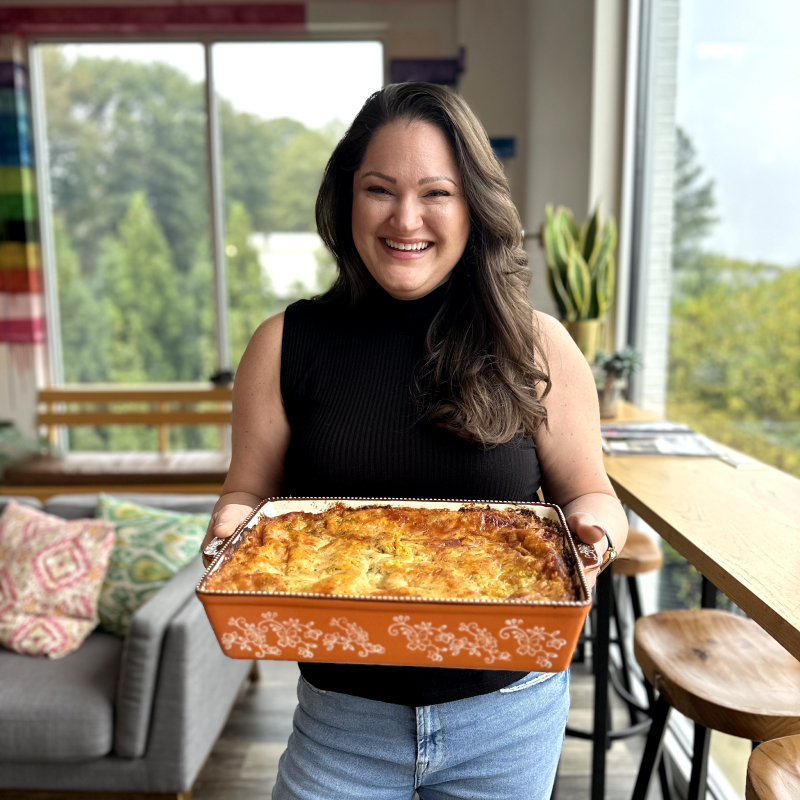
x: 611, y: 373
x: 581, y: 270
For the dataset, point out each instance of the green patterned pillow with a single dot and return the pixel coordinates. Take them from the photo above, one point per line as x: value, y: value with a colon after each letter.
x: 151, y: 546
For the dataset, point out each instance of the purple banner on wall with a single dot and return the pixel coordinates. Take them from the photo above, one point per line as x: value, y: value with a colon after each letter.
x: 444, y: 71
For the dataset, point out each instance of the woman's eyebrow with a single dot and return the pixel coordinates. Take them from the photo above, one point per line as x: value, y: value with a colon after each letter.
x: 437, y: 178
x: 421, y: 182
x: 381, y: 176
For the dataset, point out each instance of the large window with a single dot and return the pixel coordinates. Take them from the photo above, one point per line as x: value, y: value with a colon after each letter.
x: 734, y: 353
x: 716, y: 258
x: 130, y: 161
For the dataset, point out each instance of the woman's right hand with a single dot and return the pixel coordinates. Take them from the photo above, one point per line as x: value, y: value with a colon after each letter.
x: 223, y: 523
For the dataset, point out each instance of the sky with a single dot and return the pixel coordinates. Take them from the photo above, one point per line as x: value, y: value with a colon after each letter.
x: 739, y: 101
x: 313, y: 82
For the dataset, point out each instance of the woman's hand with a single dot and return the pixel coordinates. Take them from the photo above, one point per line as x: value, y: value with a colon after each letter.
x: 223, y: 523
x: 586, y: 528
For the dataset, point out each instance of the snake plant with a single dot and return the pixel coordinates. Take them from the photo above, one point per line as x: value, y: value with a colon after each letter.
x: 580, y: 263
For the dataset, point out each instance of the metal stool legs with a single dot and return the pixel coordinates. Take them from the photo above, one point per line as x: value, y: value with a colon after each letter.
x: 653, y: 748
x: 699, y: 779
x: 625, y: 690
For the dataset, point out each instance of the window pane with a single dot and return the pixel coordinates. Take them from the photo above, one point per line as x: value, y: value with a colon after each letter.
x: 734, y: 349
x: 734, y: 352
x: 283, y: 107
x: 126, y: 127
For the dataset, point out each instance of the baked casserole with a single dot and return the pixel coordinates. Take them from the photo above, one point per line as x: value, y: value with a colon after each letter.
x: 396, y: 551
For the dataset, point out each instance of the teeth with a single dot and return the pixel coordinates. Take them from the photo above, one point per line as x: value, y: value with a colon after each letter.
x: 401, y: 246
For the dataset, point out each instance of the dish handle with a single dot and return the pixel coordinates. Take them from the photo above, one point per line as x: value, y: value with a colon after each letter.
x: 588, y: 555
x: 214, y: 546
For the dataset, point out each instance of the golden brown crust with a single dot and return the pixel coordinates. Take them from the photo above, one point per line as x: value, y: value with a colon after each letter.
x: 473, y: 553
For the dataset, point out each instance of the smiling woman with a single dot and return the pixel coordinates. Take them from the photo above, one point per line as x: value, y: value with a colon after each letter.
x: 422, y: 372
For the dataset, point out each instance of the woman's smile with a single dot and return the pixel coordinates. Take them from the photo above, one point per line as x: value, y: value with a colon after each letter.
x: 404, y: 250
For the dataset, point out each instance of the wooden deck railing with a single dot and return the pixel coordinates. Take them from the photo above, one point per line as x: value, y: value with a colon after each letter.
x: 170, y: 404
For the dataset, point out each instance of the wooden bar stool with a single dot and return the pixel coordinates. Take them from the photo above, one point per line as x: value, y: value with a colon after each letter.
x: 722, y: 671
x: 640, y: 554
x: 773, y: 772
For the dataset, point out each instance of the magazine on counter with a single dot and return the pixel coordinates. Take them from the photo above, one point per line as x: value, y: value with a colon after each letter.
x: 642, y: 430
x: 658, y: 438
x: 663, y: 438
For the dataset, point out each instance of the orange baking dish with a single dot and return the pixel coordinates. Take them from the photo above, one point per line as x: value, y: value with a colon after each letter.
x: 479, y: 634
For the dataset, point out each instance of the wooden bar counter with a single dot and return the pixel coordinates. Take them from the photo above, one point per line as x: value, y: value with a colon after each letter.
x: 739, y: 527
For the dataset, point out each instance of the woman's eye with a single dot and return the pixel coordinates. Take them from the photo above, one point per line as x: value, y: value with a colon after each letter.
x: 439, y: 193
x: 377, y: 190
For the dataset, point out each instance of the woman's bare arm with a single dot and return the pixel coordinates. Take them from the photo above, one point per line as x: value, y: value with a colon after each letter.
x: 569, y: 450
x: 260, y: 431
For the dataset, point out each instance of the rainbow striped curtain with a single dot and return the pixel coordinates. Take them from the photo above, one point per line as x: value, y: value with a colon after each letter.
x: 23, y: 354
x: 21, y: 306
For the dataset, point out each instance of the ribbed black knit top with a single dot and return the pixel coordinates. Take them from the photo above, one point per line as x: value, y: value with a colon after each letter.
x: 357, y: 431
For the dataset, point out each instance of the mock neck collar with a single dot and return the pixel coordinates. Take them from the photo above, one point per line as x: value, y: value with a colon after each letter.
x: 420, y: 311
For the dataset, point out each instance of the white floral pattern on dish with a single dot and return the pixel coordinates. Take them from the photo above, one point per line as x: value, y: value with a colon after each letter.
x: 293, y: 634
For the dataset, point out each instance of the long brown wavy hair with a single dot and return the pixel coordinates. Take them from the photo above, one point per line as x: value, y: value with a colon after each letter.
x: 484, y: 374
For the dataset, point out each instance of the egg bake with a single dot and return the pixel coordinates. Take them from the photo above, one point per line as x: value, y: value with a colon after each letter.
x: 374, y: 551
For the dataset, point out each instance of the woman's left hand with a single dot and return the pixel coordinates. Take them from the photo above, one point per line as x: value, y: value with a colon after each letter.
x: 587, y: 529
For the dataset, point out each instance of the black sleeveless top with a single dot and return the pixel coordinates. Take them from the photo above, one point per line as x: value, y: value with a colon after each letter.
x: 346, y: 382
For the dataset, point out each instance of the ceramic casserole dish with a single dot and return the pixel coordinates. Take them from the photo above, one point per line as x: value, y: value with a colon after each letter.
x: 468, y: 633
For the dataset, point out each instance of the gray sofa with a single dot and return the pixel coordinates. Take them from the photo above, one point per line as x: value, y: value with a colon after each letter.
x: 138, y: 715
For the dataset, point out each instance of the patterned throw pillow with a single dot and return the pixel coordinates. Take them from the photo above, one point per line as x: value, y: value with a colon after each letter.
x: 151, y: 546
x: 51, y: 570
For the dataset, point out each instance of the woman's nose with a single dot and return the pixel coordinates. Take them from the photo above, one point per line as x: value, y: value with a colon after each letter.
x: 407, y: 215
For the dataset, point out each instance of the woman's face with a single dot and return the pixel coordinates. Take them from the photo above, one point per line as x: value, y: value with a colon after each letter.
x: 410, y: 218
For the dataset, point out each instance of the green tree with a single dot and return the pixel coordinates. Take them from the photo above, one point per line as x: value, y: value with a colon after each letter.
x: 250, y: 296
x: 694, y: 204
x: 115, y: 128
x: 83, y: 341
x: 144, y: 304
x: 296, y: 181
x: 735, y: 334
x: 252, y: 150
x: 734, y: 353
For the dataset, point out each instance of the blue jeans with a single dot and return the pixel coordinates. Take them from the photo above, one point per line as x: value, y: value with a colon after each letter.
x: 499, y: 746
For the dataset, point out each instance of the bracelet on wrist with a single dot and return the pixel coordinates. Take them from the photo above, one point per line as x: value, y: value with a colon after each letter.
x: 610, y: 555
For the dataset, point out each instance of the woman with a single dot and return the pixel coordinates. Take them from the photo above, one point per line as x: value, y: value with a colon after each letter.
x: 423, y: 372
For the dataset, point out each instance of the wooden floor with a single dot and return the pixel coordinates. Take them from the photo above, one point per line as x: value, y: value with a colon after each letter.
x: 243, y: 764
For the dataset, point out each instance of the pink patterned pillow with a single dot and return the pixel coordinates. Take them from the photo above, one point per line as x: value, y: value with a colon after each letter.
x: 51, y: 571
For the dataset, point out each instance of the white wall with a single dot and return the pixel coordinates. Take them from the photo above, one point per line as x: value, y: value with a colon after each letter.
x: 609, y: 66
x: 560, y: 47
x: 495, y: 83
